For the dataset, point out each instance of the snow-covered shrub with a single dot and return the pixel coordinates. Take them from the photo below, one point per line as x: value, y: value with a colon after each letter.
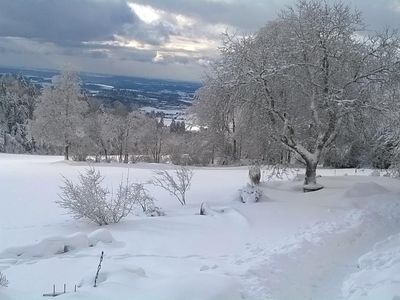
x: 250, y: 193
x: 154, y: 211
x: 3, y: 280
x: 376, y: 173
x: 177, y: 183
x: 89, y: 199
x: 143, y: 199
x: 255, y: 174
x: 393, y: 171
x: 205, y: 209
x: 146, y: 202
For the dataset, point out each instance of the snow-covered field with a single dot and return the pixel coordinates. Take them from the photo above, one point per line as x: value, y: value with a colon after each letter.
x: 342, y: 242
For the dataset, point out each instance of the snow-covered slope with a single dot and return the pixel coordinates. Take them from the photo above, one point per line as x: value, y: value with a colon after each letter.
x: 338, y: 243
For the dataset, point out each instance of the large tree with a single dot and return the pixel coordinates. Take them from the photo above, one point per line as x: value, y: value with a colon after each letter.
x: 305, y: 73
x: 58, y: 118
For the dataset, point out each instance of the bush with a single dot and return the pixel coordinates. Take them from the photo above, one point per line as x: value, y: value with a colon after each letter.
x: 393, y: 171
x: 250, y: 193
x: 3, y: 280
x: 176, y: 184
x: 89, y: 199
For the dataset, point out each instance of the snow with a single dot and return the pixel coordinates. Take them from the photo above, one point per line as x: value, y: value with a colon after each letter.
x: 102, y: 86
x: 379, y: 273
x: 342, y: 242
x: 100, y: 235
x: 365, y: 189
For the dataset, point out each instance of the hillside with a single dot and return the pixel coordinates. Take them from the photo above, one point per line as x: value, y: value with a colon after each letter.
x: 338, y: 243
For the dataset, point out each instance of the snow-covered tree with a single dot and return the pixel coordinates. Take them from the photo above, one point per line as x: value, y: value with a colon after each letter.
x: 215, y: 111
x: 305, y: 73
x: 17, y: 103
x: 58, y: 118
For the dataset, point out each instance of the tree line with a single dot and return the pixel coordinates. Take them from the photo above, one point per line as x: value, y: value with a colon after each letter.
x: 62, y: 119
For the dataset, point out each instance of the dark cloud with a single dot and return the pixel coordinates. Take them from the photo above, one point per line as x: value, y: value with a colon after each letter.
x: 64, y: 21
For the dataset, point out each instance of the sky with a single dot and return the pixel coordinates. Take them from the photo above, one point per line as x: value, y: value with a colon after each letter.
x: 170, y: 39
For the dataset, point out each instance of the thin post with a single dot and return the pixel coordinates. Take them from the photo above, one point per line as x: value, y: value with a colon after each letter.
x: 54, y: 290
x: 75, y: 288
x: 98, y: 269
x: 65, y: 287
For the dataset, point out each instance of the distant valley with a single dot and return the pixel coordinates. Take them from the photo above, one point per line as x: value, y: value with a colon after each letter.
x: 169, y: 98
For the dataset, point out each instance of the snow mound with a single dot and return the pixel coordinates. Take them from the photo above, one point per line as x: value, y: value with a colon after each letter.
x: 379, y: 274
x: 313, y: 187
x: 58, y: 244
x: 250, y: 194
x: 365, y: 189
x: 100, y: 235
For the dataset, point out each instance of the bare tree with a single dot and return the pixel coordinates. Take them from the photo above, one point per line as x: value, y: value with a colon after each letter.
x: 89, y: 199
x: 177, y: 183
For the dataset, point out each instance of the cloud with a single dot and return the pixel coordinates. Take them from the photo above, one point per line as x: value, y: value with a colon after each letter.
x: 160, y: 38
x: 153, y: 34
x: 379, y: 14
x: 64, y: 21
x: 248, y: 15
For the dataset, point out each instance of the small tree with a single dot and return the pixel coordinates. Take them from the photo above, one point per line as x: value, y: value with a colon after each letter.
x: 89, y: 199
x: 3, y: 280
x: 177, y: 184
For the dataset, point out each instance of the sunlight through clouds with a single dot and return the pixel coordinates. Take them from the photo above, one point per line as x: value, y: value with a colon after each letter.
x: 145, y: 13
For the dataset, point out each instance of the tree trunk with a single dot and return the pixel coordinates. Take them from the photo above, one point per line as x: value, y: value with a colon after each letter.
x: 213, y: 154
x: 120, y: 155
x: 66, y: 152
x: 311, y: 173
x: 105, y: 154
x: 310, y: 180
x: 234, y: 154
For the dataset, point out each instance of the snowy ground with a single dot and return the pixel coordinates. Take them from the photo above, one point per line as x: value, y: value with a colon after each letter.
x: 342, y: 242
